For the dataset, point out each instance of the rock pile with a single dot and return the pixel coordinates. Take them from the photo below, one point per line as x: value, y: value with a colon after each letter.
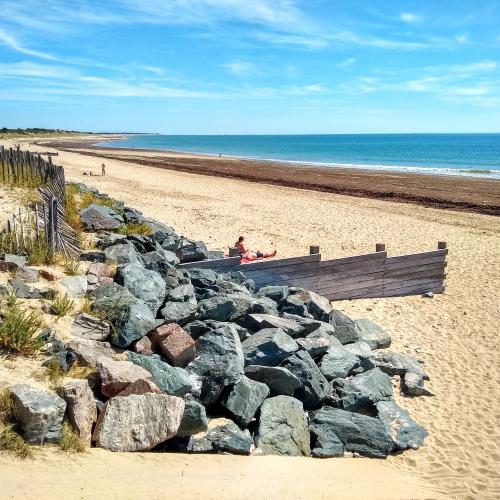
x: 198, y: 361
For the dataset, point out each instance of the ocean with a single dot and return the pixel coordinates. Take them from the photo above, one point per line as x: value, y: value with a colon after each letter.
x: 475, y: 155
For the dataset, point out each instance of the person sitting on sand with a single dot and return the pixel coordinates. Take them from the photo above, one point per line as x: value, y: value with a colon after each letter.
x: 249, y: 254
x: 103, y: 170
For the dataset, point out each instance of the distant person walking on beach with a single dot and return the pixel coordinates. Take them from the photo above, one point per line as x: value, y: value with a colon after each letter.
x: 250, y: 254
x: 103, y: 170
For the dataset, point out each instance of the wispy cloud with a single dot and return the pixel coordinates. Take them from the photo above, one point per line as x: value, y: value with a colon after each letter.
x: 410, y: 17
x: 240, y: 68
x: 346, y: 63
x: 14, y: 44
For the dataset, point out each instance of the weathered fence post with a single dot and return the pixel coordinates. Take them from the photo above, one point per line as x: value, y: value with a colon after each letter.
x: 234, y: 252
x: 442, y: 245
x: 380, y: 247
x: 313, y: 249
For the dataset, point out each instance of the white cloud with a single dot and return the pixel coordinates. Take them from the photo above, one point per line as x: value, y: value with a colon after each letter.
x: 410, y: 18
x: 14, y: 44
x: 347, y: 62
x: 239, y: 68
x: 464, y: 38
x: 477, y: 90
x: 309, y: 42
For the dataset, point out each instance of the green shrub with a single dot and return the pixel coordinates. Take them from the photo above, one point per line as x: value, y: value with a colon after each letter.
x: 12, y: 442
x: 20, y: 331
x: 11, y: 298
x: 72, y: 267
x: 70, y: 442
x: 135, y: 228
x: 61, y: 305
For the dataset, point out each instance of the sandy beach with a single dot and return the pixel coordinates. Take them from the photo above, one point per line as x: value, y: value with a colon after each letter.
x: 454, y: 334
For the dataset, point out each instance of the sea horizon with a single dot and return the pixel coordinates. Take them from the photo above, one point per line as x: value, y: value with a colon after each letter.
x: 456, y: 154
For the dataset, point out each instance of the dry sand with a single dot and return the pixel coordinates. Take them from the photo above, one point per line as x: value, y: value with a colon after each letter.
x: 454, y: 334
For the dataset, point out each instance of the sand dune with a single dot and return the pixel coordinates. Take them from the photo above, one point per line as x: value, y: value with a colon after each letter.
x: 454, y: 334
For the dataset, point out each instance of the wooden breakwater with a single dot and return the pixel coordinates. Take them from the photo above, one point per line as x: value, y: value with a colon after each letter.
x: 45, y: 221
x: 361, y: 276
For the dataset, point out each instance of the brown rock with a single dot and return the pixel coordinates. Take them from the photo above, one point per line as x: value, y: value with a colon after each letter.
x: 51, y: 274
x: 81, y: 408
x: 140, y: 386
x: 144, y: 347
x: 99, y: 274
x: 161, y: 332
x: 118, y: 375
x: 179, y: 348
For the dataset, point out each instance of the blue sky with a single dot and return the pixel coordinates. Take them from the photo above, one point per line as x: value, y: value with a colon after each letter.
x: 251, y: 66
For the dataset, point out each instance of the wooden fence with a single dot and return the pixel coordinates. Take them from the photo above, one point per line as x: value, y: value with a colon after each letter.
x: 45, y: 221
x: 361, y: 276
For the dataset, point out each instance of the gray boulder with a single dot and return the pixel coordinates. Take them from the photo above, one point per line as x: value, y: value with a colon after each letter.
x: 178, y: 312
x: 138, y: 422
x: 131, y: 317
x: 143, y: 284
x: 288, y: 325
x: 81, y: 408
x: 89, y: 351
x: 40, y: 413
x: 283, y: 428
x: 246, y: 303
x: 363, y: 352
x: 191, y: 251
x: 183, y: 293
x: 314, y: 387
x: 309, y: 325
x: 27, y: 274
x: 90, y: 327
x: 100, y: 218
x: 222, y: 436
x: 369, y: 332
x: 307, y: 304
x: 338, y: 362
x: 216, y: 308
x: 405, y: 432
x: 201, y: 278
x: 169, y: 379
x: 335, y: 431
x: 408, y: 368
x: 24, y: 291
x: 268, y: 347
x: 160, y: 261
x: 218, y: 364
x: 345, y: 327
x: 276, y: 293
x: 317, y: 343
x: 244, y: 399
x: 75, y: 286
x: 279, y: 380
x: 194, y: 419
x: 362, y: 390
x: 124, y: 253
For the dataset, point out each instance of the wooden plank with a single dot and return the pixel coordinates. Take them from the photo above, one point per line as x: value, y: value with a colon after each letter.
x: 268, y: 264
x: 283, y: 273
x: 369, y: 291
x: 436, y: 266
x: 307, y: 283
x: 410, y: 283
x: 435, y: 286
x: 230, y: 262
x: 374, y: 269
x: 416, y: 257
x: 364, y: 282
x: 351, y: 260
x: 355, y: 267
